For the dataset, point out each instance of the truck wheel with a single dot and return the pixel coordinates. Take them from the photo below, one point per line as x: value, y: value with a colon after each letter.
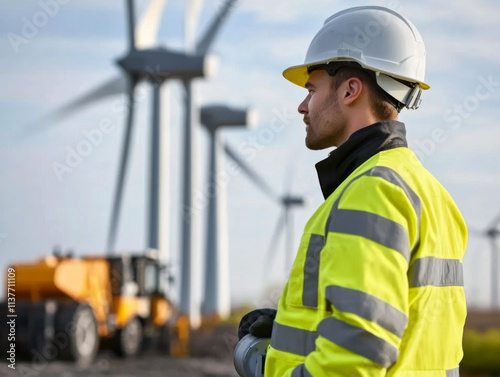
x: 79, y: 324
x: 129, y: 338
x: 37, y: 320
x: 32, y: 330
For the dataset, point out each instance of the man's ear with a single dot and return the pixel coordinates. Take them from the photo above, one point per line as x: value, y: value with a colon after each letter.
x: 352, y: 90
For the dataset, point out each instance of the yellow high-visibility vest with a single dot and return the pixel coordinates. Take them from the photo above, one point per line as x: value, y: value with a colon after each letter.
x: 376, y: 288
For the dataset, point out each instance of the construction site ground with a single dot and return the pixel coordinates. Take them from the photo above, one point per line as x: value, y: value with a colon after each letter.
x: 211, y: 356
x: 110, y: 366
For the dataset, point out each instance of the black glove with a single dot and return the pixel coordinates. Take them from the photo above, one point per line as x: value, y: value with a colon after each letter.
x: 258, y: 322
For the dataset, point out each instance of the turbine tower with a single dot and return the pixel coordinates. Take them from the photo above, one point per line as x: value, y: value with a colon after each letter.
x: 216, y: 298
x: 188, y: 304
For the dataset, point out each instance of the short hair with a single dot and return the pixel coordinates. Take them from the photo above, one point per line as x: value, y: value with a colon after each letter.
x: 382, y: 107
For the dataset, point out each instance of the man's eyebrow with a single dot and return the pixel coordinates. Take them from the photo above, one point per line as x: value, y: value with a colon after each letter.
x: 309, y: 85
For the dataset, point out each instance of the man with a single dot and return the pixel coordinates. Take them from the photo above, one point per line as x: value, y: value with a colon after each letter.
x: 376, y: 288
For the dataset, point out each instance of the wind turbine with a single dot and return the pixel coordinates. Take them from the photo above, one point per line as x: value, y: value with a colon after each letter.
x: 288, y: 201
x: 188, y: 305
x: 153, y: 64
x: 285, y: 224
x: 216, y: 298
x: 492, y: 233
x: 161, y: 64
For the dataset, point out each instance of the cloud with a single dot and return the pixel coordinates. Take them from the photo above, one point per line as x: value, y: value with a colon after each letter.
x: 478, y: 141
x: 473, y: 178
x: 480, y: 14
x: 298, y: 11
x: 281, y: 11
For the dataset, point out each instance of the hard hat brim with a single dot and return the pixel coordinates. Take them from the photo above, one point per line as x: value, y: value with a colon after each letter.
x: 299, y: 75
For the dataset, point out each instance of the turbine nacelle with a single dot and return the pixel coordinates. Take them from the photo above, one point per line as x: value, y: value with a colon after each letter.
x: 289, y: 201
x: 162, y: 63
x: 493, y: 233
x: 215, y: 116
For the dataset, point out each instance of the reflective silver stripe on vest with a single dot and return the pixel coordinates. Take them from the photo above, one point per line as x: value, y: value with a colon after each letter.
x: 373, y: 227
x: 393, y: 177
x: 301, y: 371
x: 293, y: 340
x: 368, y: 307
x: 359, y: 341
x: 453, y: 372
x: 311, y: 271
x: 436, y: 271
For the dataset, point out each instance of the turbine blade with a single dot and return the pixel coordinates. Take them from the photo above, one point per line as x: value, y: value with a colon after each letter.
x: 131, y: 23
x: 206, y: 42
x: 112, y: 87
x: 122, y: 169
x: 146, y: 31
x: 193, y: 8
x: 254, y: 177
x: 273, y: 246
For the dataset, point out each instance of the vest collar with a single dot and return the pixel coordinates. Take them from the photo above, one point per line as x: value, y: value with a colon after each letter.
x: 361, y: 145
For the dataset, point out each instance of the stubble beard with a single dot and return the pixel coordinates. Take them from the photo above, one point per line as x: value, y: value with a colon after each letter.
x: 322, y: 127
x: 314, y: 136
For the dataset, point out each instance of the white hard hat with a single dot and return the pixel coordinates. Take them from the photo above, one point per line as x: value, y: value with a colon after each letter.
x: 378, y: 39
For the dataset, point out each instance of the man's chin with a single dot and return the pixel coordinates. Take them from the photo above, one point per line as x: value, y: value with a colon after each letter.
x: 314, y: 145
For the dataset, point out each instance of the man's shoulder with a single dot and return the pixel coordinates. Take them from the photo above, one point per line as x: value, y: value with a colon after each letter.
x: 405, y: 163
x: 398, y: 167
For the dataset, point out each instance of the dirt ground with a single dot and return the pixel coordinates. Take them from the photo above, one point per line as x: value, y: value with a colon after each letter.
x: 211, y: 356
x: 109, y: 366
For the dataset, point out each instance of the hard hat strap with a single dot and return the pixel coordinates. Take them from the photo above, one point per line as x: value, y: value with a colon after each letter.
x: 397, y: 93
x: 332, y: 68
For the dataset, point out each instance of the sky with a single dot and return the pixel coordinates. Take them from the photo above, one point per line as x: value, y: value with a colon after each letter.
x: 74, y: 49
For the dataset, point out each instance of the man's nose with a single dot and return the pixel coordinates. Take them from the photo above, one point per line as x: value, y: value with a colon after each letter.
x: 304, y: 106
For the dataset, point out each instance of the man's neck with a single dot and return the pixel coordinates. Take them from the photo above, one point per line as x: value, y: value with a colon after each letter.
x: 361, y: 146
x: 357, y: 119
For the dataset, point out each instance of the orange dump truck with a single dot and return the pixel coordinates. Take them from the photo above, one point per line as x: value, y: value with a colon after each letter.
x: 65, y: 307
